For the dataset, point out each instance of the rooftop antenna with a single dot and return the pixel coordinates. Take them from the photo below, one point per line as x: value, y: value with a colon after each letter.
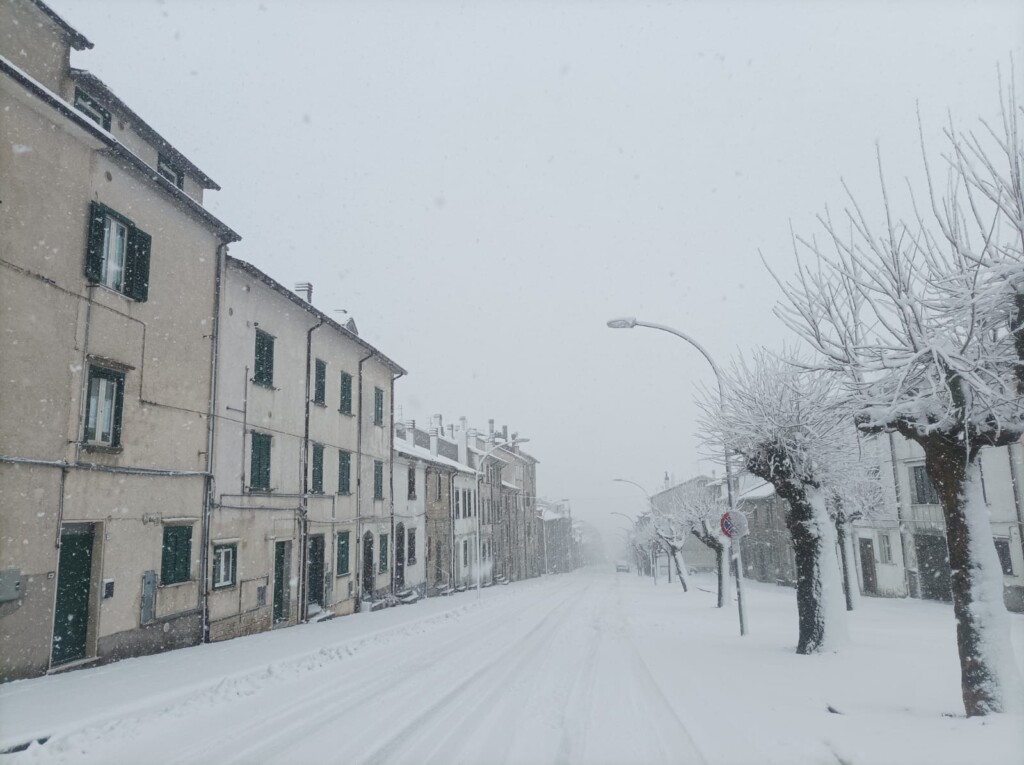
x: 306, y: 287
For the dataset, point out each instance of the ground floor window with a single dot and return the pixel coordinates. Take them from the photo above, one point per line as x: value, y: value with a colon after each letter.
x: 225, y: 565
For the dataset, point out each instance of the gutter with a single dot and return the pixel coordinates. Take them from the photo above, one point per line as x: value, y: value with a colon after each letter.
x: 303, y: 584
x: 208, y: 499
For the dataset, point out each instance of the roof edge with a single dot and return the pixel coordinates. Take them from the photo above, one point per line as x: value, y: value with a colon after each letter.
x: 77, y: 39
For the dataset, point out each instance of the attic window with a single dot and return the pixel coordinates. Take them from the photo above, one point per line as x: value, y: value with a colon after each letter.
x: 169, y: 171
x: 92, y: 108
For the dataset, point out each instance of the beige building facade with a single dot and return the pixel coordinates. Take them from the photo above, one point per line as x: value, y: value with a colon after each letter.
x: 107, y: 364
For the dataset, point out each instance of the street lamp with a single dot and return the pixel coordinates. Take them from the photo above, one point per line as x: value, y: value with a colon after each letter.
x: 629, y: 322
x: 479, y: 476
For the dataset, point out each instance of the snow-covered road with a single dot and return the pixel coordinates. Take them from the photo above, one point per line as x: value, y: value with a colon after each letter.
x: 590, y: 667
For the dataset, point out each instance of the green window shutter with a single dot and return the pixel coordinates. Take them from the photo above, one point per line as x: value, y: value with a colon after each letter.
x: 344, y: 472
x: 115, y: 437
x: 378, y: 479
x: 176, y: 556
x: 383, y: 552
x: 378, y: 406
x: 94, y: 243
x: 263, y: 369
x: 318, y: 469
x: 342, y: 567
x: 346, y: 393
x: 320, y: 385
x: 136, y: 276
x: 259, y: 467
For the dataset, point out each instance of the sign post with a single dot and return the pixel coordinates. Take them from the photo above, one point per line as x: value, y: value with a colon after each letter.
x: 734, y: 525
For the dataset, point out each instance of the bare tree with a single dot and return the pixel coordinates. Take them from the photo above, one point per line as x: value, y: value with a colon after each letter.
x: 785, y: 424
x: 904, y: 314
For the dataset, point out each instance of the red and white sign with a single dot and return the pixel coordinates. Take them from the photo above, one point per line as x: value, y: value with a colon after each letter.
x: 734, y: 524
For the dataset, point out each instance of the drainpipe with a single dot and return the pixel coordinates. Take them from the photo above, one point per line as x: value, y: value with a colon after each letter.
x: 204, y: 534
x: 303, y: 585
x: 359, y: 480
x: 391, y: 479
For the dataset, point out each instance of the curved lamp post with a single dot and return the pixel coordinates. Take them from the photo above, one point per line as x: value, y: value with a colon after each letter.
x: 479, y: 476
x: 629, y: 322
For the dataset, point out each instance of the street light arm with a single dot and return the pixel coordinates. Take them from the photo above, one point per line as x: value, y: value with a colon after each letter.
x: 695, y: 344
x: 634, y: 483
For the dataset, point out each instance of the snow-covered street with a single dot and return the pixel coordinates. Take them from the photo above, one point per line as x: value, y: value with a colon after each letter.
x: 589, y: 667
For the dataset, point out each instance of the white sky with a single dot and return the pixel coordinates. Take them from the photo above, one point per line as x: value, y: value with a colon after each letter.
x: 483, y: 184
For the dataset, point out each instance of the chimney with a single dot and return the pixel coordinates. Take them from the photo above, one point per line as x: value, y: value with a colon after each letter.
x: 463, y: 443
x: 433, y: 441
x: 490, y: 427
x: 463, y: 423
x: 306, y: 287
x: 410, y: 432
x: 435, y: 422
x: 451, y: 431
x: 504, y: 432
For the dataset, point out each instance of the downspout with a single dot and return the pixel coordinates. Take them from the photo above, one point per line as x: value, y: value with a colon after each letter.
x: 451, y: 524
x: 359, y: 481
x: 303, y: 585
x: 204, y: 535
x: 391, y: 481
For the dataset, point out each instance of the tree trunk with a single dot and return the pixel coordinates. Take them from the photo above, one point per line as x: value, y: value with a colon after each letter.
x: 679, y: 569
x: 989, y: 679
x: 709, y: 539
x: 841, y: 537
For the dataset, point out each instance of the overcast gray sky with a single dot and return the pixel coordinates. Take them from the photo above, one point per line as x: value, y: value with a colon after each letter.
x: 483, y: 184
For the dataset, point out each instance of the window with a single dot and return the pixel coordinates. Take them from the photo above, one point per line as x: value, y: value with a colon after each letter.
x: 117, y: 253
x: 924, y: 491
x: 378, y: 407
x: 225, y: 561
x: 884, y: 548
x: 259, y: 462
x: 176, y: 558
x: 318, y: 469
x: 167, y: 169
x: 437, y: 487
x: 410, y: 555
x: 320, y: 383
x: 346, y: 394
x: 263, y: 369
x: 383, y: 553
x: 104, y: 402
x: 344, y: 472
x: 92, y: 108
x: 412, y: 483
x: 1003, y: 551
x: 465, y: 552
x: 378, y: 479
x: 342, y: 565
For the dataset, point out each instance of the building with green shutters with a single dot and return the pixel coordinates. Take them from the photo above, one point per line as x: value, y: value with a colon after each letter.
x: 109, y: 265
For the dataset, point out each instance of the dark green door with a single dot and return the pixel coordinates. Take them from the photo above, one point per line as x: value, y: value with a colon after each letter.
x: 74, y: 572
x: 282, y: 565
x: 933, y: 567
x: 315, y: 566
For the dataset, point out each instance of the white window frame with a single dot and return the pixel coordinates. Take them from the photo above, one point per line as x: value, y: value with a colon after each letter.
x: 114, y: 259
x: 884, y: 547
x: 225, y: 575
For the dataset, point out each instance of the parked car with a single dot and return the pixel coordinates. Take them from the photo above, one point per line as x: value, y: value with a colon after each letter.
x: 622, y: 565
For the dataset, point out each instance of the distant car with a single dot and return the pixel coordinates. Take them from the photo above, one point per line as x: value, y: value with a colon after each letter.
x: 621, y: 565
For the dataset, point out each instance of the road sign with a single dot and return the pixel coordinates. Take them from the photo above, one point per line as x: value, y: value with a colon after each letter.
x: 734, y: 524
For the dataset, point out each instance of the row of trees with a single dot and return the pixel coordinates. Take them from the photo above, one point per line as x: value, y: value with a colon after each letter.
x: 915, y: 325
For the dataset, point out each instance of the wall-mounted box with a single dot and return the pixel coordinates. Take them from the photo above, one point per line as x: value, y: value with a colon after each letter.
x: 10, y: 584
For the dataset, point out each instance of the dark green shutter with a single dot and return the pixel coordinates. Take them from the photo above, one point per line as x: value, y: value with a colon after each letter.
x: 136, y: 272
x: 378, y: 406
x: 263, y: 372
x: 346, y: 393
x: 344, y: 472
x: 176, y: 557
x: 378, y: 480
x: 383, y: 552
x: 342, y: 553
x: 115, y: 435
x: 320, y: 385
x: 94, y: 243
x: 260, y: 462
x: 318, y: 469
x: 89, y: 433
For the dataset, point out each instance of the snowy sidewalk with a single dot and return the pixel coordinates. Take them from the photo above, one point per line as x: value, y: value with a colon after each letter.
x: 590, y: 667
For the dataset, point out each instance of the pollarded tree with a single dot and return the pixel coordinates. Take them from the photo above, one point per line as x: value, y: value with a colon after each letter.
x: 904, y: 314
x: 787, y: 426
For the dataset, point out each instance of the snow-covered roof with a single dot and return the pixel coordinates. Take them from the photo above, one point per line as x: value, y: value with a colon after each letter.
x: 425, y: 454
x: 761, y: 491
